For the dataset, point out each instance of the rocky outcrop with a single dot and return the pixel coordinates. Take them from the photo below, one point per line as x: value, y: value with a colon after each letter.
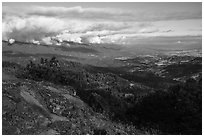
x: 31, y: 107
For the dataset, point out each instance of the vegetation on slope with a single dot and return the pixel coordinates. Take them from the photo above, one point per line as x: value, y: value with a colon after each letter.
x: 176, y: 110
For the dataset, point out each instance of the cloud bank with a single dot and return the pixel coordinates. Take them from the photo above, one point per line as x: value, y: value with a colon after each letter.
x: 51, y: 25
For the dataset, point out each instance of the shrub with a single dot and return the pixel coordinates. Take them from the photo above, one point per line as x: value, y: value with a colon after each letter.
x: 176, y: 111
x: 85, y: 83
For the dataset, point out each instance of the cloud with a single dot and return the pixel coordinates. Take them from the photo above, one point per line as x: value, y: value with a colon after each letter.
x: 74, y: 37
x: 168, y: 30
x: 40, y: 28
x: 89, y: 25
x: 30, y: 28
x: 71, y: 12
x: 149, y: 30
x: 94, y: 39
x: 47, y: 40
x: 98, y: 14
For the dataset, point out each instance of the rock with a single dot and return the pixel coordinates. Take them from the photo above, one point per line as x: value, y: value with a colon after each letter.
x: 50, y: 132
x: 129, y: 95
x: 131, y: 84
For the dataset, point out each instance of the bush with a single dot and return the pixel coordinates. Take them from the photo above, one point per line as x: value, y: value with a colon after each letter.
x: 86, y: 84
x: 48, y: 71
x: 176, y: 111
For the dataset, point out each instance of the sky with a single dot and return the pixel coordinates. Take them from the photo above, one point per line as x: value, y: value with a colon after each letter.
x: 99, y: 22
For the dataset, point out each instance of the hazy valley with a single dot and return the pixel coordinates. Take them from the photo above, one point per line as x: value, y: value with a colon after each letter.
x: 102, y: 89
